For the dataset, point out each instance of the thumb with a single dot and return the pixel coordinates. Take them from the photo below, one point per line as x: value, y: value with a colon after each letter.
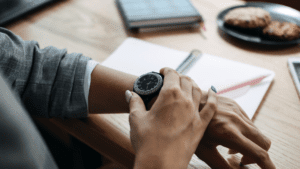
x: 210, y: 107
x: 136, y: 104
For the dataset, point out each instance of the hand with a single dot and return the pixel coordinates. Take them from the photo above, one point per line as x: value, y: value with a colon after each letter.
x: 168, y: 134
x: 231, y: 127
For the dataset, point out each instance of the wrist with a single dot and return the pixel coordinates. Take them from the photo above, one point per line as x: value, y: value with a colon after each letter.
x: 160, y: 159
x: 143, y: 161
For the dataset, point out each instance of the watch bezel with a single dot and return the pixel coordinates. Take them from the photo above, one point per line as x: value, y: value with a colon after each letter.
x: 151, y: 91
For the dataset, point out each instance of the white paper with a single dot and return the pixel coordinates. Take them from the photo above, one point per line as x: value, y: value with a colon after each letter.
x: 137, y: 57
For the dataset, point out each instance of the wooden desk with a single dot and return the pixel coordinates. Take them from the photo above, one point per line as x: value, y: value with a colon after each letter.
x: 95, y: 28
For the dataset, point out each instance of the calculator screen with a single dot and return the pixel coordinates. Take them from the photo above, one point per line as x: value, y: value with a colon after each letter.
x: 297, y: 68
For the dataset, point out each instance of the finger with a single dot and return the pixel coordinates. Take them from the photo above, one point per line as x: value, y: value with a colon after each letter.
x: 251, y: 150
x: 136, y: 105
x: 245, y: 160
x: 197, y: 94
x: 212, y: 157
x: 209, y: 109
x: 171, y: 78
x: 258, y: 138
x: 186, y: 85
x: 245, y: 118
x: 137, y: 108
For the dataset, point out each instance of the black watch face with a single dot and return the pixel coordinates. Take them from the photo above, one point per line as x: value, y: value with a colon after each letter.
x: 148, y: 83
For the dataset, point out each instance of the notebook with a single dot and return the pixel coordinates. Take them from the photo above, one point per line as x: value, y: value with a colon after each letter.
x: 157, y: 13
x: 137, y: 57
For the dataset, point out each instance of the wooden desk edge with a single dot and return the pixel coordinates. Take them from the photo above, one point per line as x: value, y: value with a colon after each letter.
x: 95, y: 137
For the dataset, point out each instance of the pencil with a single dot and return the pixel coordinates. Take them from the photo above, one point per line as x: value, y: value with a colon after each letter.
x: 251, y: 82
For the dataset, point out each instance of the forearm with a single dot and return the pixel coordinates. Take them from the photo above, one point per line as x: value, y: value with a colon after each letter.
x: 107, y: 90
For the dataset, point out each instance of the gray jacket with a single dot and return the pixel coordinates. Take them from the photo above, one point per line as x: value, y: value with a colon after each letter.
x: 49, y: 83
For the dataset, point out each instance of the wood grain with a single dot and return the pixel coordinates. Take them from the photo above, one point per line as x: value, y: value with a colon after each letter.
x: 95, y: 28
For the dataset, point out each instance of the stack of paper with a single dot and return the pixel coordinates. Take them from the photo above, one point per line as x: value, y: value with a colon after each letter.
x: 138, y: 57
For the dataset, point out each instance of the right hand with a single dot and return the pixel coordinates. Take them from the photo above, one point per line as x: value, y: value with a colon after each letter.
x: 231, y: 128
x: 168, y: 134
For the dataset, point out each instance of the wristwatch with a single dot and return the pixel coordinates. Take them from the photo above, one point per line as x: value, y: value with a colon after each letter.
x: 148, y: 85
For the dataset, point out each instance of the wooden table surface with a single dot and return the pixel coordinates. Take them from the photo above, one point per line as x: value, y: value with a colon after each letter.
x: 95, y: 28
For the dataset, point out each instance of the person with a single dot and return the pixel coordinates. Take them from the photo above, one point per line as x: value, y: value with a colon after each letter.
x: 50, y: 83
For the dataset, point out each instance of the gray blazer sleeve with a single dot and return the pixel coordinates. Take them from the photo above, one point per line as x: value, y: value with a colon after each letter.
x: 21, y: 145
x: 49, y: 81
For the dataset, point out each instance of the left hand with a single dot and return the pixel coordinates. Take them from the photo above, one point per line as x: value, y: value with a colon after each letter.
x: 231, y: 127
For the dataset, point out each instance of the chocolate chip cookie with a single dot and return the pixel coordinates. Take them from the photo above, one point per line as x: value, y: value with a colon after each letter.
x: 248, y: 17
x: 282, y: 30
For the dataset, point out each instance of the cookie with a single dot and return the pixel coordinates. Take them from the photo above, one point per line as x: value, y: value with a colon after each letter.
x: 248, y: 17
x: 282, y: 30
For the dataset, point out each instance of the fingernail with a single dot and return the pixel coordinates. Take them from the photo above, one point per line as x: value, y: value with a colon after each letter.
x: 128, y: 96
x: 213, y: 89
x: 241, y: 164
